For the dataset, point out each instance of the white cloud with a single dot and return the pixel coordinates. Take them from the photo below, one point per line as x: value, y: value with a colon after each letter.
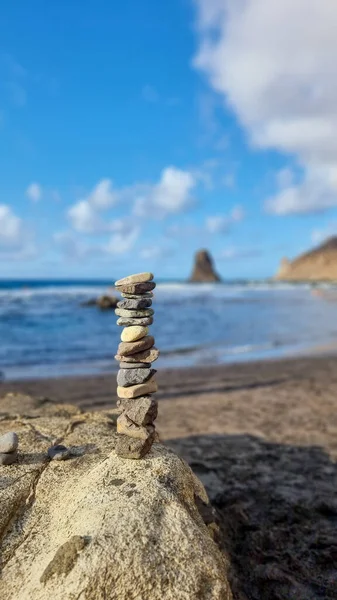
x: 103, y: 195
x: 122, y: 243
x: 173, y: 192
x: 313, y: 195
x: 84, y: 214
x: 84, y: 219
x: 155, y: 252
x: 34, y: 192
x: 15, y: 241
x: 222, y: 223
x: 274, y: 64
x: 171, y: 195
x: 11, y: 228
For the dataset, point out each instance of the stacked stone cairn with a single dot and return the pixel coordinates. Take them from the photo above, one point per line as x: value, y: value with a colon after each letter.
x: 135, y: 378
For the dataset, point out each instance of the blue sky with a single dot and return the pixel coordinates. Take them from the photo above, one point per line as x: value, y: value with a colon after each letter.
x: 134, y: 133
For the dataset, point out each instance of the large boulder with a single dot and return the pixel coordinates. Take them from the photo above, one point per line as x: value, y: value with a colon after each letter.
x: 97, y: 526
x: 203, y: 268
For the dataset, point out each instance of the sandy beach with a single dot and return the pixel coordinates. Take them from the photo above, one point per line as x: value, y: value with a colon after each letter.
x: 263, y: 438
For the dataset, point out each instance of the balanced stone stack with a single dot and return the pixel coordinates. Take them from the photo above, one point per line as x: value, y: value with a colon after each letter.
x: 135, y: 378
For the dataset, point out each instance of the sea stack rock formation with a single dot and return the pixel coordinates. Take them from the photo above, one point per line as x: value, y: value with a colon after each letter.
x: 203, y: 269
x: 135, y: 379
x: 319, y: 264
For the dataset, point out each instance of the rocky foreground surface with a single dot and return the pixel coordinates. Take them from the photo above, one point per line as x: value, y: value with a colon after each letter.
x: 96, y: 526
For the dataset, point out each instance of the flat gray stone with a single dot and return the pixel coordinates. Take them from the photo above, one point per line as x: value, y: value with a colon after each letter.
x: 8, y: 458
x: 142, y: 411
x: 129, y: 321
x: 58, y: 452
x: 146, y: 312
x: 125, y: 365
x: 135, y: 304
x: 137, y: 296
x: 9, y: 442
x: 127, y: 377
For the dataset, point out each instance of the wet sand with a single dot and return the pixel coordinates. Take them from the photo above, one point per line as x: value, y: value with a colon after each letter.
x: 263, y: 438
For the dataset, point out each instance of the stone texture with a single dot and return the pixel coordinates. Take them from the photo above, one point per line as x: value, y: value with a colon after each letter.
x: 135, y: 314
x: 129, y: 321
x: 136, y: 278
x: 58, y: 452
x: 142, y: 411
x: 9, y: 442
x: 133, y: 304
x: 127, y: 427
x: 137, y: 296
x: 8, y: 458
x: 125, y: 365
x: 127, y: 377
x: 147, y: 356
x: 128, y: 348
x: 143, y: 535
x: 203, y: 269
x: 132, y: 448
x: 136, y: 288
x: 137, y: 390
x: 134, y: 333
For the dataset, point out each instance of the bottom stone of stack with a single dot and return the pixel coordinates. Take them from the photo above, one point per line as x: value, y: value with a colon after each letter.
x: 127, y: 447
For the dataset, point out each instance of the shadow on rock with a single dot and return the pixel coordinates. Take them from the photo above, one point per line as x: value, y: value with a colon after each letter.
x: 277, y: 506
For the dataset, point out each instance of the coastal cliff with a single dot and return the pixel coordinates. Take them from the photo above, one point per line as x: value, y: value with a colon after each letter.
x: 203, y: 268
x: 319, y: 264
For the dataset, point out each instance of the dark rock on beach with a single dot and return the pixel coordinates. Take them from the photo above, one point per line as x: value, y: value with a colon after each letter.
x: 203, y: 269
x: 103, y: 302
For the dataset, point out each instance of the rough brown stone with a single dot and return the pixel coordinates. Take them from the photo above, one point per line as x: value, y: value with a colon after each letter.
x: 129, y: 348
x: 136, y: 288
x: 142, y: 411
x: 127, y: 427
x: 132, y: 448
x: 146, y: 356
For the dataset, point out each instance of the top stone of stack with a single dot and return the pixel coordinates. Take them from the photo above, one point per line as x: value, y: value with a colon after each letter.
x: 137, y: 278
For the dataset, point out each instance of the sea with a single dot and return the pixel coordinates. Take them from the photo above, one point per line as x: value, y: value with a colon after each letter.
x: 46, y: 332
